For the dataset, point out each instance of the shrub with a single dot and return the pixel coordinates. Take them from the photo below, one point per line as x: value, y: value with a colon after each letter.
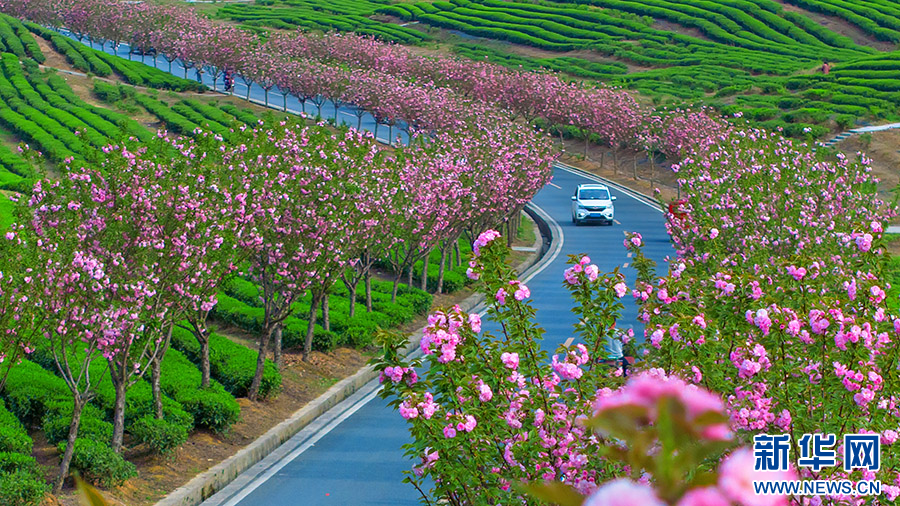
x: 29, y: 389
x: 845, y: 121
x: 106, y: 92
x: 92, y: 425
x: 163, y: 437
x: 98, y: 464
x: 21, y: 480
x: 231, y: 364
x: 13, y: 436
x: 22, y: 488
x: 213, y: 408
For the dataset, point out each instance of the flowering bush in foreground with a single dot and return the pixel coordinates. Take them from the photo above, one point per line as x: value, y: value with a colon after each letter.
x: 494, y: 413
x: 777, y: 300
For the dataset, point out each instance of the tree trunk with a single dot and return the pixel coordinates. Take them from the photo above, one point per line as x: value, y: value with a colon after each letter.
x: 204, y: 360
x: 351, y: 289
x: 77, y: 407
x: 440, y: 280
x: 396, y: 286
x: 368, y: 281
x: 307, y: 346
x: 423, y: 282
x: 155, y: 374
x: 458, y: 253
x: 118, y: 413
x: 375, y: 133
x: 284, y: 99
x: 157, y: 395
x: 616, y: 162
x: 409, y: 276
x: 326, y: 321
x: 266, y: 94
x: 253, y: 393
x: 279, y: 360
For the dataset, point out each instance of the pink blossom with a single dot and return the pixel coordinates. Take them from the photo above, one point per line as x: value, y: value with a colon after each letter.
x: 501, y: 296
x: 713, y: 233
x: 592, y: 272
x: 708, y: 496
x: 620, y: 289
x: 522, y: 292
x: 623, y: 492
x: 864, y: 242
x: 736, y: 476
x: 449, y: 431
x: 510, y: 360
x: 475, y: 322
x: 484, y: 239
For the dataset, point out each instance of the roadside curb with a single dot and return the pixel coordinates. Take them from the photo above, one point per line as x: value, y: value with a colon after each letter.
x: 207, y: 483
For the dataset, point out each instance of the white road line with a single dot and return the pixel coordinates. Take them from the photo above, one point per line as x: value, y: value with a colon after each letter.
x: 625, y: 266
x: 568, y: 342
x: 555, y: 186
x: 305, y: 446
x: 629, y: 254
x: 617, y: 222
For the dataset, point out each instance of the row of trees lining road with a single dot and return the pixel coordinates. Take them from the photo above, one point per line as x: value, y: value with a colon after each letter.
x: 103, y: 263
x: 397, y: 86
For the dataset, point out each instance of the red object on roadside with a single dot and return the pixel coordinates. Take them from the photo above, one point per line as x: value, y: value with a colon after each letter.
x: 675, y: 209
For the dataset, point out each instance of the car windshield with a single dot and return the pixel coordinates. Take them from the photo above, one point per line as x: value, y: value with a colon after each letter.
x: 593, y: 194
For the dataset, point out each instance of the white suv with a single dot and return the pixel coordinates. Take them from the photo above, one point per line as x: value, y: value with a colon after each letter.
x: 592, y: 202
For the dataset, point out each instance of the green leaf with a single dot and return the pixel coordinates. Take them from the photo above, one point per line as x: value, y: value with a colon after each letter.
x: 554, y: 492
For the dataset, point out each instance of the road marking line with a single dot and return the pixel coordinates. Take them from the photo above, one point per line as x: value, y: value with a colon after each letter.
x: 568, y: 342
x: 625, y: 266
x: 617, y: 222
x: 629, y: 254
x: 555, y: 186
x: 237, y: 498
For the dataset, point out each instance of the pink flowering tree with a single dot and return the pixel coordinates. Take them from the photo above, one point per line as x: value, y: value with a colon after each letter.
x: 82, y: 284
x: 494, y: 410
x: 669, y: 437
x: 495, y: 420
x: 777, y: 300
x: 18, y: 327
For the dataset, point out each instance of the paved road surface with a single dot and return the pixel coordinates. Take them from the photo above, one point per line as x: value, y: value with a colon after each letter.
x: 353, y: 455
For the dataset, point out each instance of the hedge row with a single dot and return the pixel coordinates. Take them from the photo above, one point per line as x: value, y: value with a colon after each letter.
x: 230, y: 363
x: 39, y: 398
x: 212, y: 408
x: 239, y: 305
x: 102, y: 64
x: 122, y: 122
x: 21, y: 479
x: 138, y: 407
x: 172, y: 120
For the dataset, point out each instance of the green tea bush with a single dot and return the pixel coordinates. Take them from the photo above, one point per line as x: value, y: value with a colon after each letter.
x: 99, y: 464
x: 161, y: 436
x: 231, y: 364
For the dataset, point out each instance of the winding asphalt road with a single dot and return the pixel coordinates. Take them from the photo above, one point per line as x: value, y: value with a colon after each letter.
x: 352, y: 455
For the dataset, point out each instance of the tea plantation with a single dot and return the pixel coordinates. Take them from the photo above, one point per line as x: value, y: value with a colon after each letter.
x: 757, y: 57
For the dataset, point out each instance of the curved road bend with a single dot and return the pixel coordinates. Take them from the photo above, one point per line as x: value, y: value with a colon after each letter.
x: 352, y: 455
